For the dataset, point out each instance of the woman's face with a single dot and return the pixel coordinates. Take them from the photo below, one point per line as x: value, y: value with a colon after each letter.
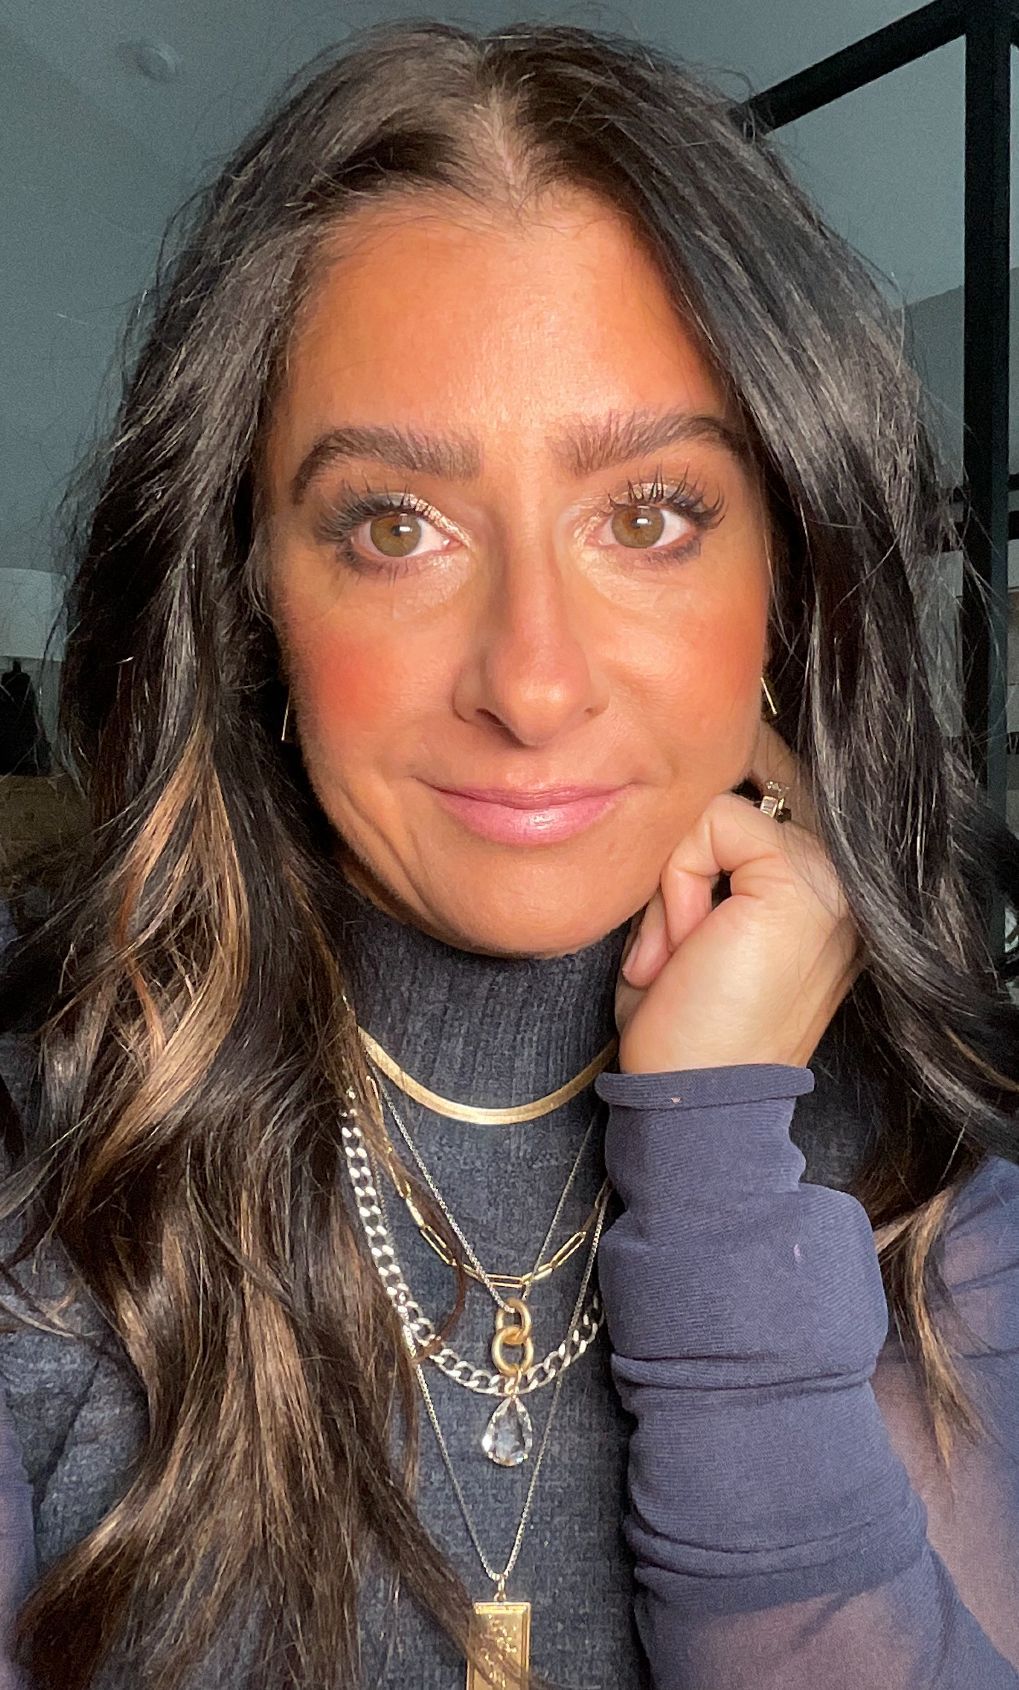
x: 511, y: 628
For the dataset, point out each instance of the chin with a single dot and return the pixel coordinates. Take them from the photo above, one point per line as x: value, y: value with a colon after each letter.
x: 508, y: 909
x: 523, y: 929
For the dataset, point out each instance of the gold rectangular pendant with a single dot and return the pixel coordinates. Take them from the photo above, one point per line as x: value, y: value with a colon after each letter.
x: 507, y: 1624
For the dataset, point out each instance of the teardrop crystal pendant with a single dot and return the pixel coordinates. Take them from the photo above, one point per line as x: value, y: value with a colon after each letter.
x: 508, y: 1436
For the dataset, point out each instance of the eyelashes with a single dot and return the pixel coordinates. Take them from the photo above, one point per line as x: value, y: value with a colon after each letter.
x: 354, y: 506
x: 685, y: 497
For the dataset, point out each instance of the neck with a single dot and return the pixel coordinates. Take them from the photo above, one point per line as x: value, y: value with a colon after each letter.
x: 486, y: 1029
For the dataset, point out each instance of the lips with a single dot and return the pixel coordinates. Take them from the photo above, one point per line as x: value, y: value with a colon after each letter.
x: 537, y: 799
x: 513, y: 819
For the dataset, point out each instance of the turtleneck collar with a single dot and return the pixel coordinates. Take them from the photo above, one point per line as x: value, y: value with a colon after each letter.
x: 490, y: 1030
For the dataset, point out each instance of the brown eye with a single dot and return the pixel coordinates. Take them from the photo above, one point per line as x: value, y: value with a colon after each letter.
x: 638, y: 525
x: 395, y: 534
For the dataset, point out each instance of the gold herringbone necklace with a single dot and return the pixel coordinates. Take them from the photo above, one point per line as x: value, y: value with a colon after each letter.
x: 486, y: 1117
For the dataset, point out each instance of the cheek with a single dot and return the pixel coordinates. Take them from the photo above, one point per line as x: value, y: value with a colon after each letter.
x: 717, y: 687
x: 349, y: 690
x: 731, y: 669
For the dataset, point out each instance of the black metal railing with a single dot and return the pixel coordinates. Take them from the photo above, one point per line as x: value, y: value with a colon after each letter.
x: 989, y: 30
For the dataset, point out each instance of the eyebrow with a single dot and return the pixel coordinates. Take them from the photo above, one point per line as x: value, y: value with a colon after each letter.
x: 585, y: 445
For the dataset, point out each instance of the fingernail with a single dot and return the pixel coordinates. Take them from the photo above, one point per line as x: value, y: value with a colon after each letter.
x: 631, y: 956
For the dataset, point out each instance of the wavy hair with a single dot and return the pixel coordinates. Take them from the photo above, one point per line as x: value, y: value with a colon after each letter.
x: 187, y: 990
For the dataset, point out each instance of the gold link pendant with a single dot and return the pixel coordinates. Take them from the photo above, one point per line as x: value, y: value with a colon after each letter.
x: 508, y: 1626
x: 517, y: 1336
x: 509, y: 1434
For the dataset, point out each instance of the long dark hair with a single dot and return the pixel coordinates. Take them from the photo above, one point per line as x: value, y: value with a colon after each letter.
x: 188, y: 993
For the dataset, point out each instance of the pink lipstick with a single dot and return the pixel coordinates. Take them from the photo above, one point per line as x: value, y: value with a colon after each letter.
x: 520, y: 818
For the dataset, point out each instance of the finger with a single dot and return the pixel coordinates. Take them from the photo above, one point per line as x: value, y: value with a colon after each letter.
x: 732, y: 837
x: 688, y: 896
x: 650, y: 950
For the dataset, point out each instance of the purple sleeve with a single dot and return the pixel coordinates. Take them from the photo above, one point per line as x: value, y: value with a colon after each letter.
x: 789, y: 1524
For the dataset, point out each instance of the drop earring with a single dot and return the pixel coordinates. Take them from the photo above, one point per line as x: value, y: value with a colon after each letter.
x: 772, y: 706
x: 285, y: 737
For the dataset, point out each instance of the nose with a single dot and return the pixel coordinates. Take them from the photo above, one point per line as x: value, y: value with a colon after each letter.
x: 531, y: 662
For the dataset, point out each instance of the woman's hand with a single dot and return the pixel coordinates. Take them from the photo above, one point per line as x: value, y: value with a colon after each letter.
x: 758, y: 977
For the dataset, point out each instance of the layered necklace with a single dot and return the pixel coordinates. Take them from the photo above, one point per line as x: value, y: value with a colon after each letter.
x: 503, y: 1625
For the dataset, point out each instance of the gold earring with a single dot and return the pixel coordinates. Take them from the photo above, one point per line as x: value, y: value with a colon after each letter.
x: 772, y: 706
x: 287, y: 739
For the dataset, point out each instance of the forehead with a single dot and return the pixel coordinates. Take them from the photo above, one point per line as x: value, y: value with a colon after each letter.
x: 431, y: 312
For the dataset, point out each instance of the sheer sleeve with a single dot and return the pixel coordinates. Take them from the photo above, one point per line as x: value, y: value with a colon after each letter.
x: 789, y: 1525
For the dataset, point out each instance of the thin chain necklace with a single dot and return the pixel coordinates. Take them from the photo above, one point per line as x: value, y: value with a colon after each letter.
x: 489, y: 1281
x: 503, y: 1624
x: 506, y: 1281
x: 508, y: 1437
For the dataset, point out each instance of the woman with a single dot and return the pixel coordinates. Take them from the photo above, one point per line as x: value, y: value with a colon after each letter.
x: 509, y: 421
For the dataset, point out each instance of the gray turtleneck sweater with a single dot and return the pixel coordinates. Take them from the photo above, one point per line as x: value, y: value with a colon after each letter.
x: 737, y: 1489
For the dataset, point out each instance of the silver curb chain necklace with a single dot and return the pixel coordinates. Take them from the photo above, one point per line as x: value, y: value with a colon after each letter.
x: 420, y: 1328
x: 508, y: 1437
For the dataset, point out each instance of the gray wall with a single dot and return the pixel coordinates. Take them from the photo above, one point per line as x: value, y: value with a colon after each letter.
x: 95, y: 158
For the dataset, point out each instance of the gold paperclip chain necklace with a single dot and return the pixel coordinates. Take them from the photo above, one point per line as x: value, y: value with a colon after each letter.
x: 518, y: 1282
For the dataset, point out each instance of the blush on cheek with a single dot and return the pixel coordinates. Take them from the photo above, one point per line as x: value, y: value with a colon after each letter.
x: 347, y: 688
x: 730, y: 668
